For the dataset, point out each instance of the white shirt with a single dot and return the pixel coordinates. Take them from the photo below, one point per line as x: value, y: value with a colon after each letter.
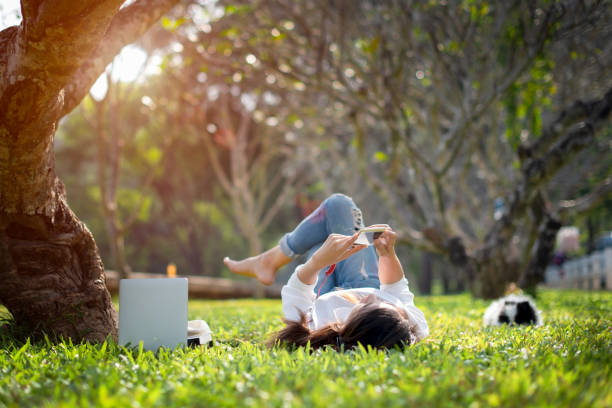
x: 332, y: 307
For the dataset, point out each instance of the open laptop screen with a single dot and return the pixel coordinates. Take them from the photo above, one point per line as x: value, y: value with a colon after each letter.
x: 153, y: 311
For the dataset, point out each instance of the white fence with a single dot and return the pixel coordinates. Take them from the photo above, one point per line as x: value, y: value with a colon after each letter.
x: 589, y: 272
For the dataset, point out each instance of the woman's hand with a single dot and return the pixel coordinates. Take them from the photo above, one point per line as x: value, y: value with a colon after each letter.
x: 336, y: 248
x: 385, y: 243
x: 390, y: 268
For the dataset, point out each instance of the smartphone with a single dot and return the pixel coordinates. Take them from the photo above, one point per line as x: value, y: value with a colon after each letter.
x: 367, y: 235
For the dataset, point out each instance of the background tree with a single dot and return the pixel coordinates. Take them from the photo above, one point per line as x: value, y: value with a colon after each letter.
x: 431, y: 102
x: 113, y: 124
x: 272, y: 61
x: 255, y: 182
x: 51, y: 273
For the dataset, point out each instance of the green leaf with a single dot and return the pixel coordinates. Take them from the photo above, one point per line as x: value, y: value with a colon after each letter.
x: 368, y: 46
x: 292, y: 118
x: 172, y: 25
x: 231, y: 32
x: 237, y: 9
x: 380, y: 157
x: 153, y: 155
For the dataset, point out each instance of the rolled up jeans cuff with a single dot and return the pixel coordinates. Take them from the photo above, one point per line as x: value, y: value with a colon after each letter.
x: 284, y: 246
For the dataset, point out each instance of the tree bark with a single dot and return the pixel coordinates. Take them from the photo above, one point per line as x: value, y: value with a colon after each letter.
x: 426, y: 275
x: 542, y: 254
x: 493, y: 270
x: 51, y: 275
x: 591, y: 228
x: 117, y: 246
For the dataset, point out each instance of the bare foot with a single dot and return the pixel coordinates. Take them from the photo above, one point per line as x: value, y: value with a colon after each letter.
x: 261, y: 267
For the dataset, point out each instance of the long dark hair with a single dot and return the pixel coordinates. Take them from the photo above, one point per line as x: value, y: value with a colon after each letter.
x: 368, y: 324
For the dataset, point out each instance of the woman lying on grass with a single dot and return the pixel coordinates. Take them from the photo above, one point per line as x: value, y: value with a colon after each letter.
x: 364, y: 300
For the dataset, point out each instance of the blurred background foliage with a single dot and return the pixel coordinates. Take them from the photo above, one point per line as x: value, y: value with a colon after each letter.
x: 244, y: 115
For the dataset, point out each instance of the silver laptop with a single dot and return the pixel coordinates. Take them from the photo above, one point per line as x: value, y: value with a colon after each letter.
x: 153, y: 311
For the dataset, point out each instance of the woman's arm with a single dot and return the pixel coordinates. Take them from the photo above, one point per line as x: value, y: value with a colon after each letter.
x: 392, y: 280
x: 296, y: 297
x: 335, y: 248
x: 389, y: 267
x: 298, y: 294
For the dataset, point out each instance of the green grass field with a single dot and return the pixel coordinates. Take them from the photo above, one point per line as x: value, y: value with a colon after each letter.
x: 567, y: 362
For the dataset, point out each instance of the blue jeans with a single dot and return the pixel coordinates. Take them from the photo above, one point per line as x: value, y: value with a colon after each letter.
x: 337, y: 214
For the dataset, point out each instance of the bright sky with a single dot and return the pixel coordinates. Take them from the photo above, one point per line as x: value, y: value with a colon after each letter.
x: 128, y: 65
x: 10, y: 13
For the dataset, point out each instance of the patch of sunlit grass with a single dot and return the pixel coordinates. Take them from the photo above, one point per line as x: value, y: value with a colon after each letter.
x: 566, y: 362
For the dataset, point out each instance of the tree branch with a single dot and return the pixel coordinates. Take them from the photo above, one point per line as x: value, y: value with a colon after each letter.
x: 587, y: 202
x: 578, y: 111
x: 62, y: 34
x: 126, y: 27
x: 539, y: 170
x: 280, y: 201
x: 38, y: 57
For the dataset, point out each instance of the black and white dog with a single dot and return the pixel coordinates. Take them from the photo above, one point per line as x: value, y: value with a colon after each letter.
x: 513, y: 309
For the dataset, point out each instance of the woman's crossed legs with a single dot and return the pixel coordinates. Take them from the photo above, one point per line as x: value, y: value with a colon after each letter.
x: 337, y: 214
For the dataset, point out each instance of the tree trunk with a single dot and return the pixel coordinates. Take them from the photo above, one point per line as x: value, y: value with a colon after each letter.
x: 117, y: 247
x: 494, y: 273
x: 51, y: 275
x: 460, y: 282
x: 255, y: 246
x: 426, y: 275
x: 489, y: 270
x: 446, y: 282
x: 541, y: 256
x: 453, y: 280
x: 591, y: 229
x: 194, y: 256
